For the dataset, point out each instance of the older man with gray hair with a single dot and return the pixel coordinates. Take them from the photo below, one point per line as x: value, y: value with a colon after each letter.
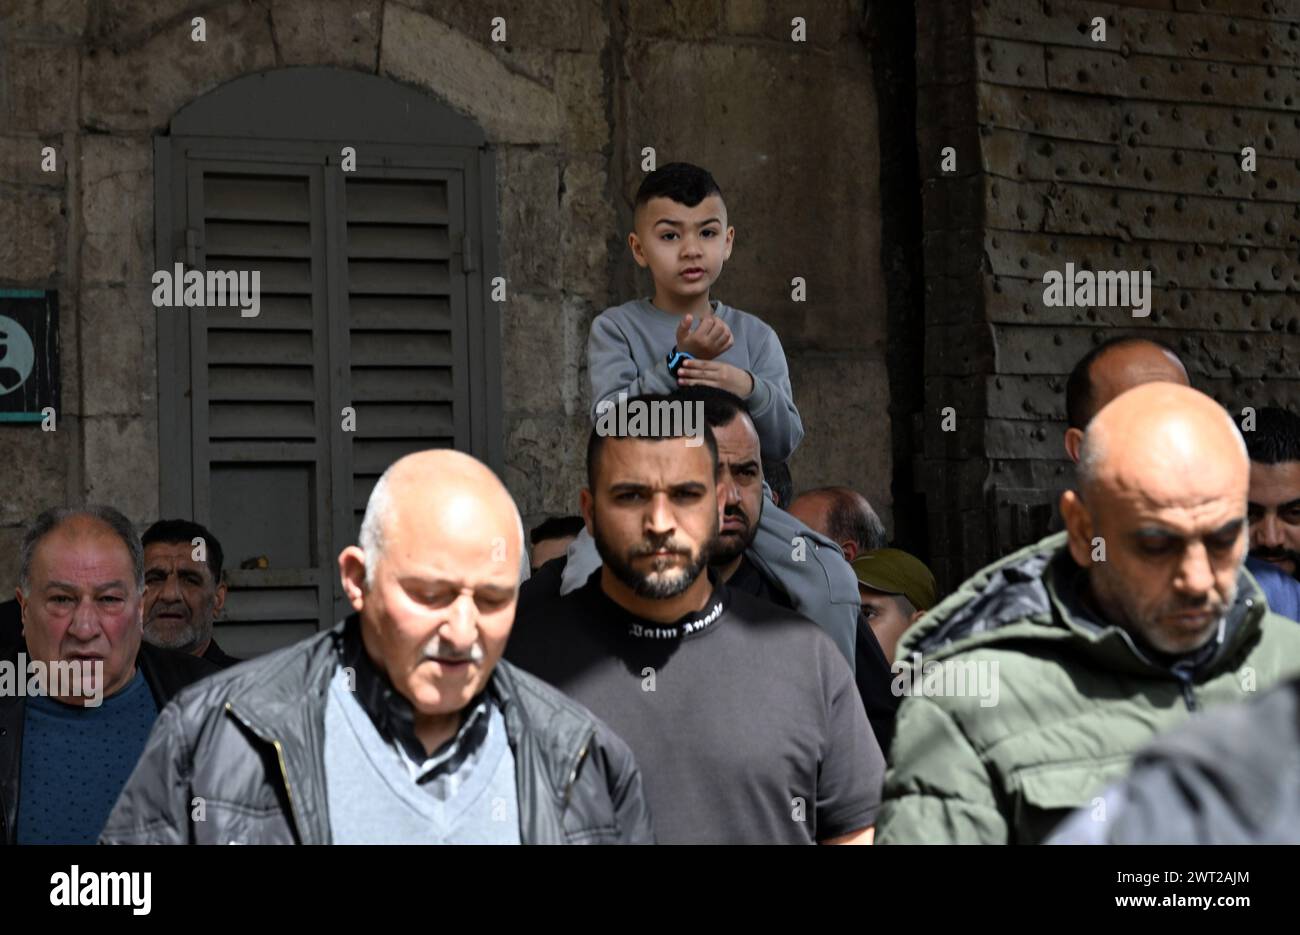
x: 400, y: 725
x: 79, y: 692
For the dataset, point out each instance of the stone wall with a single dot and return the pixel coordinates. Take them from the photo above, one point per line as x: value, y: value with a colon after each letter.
x: 1117, y: 155
x: 567, y: 103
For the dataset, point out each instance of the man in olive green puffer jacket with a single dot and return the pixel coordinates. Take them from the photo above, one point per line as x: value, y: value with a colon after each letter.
x: 1032, y: 687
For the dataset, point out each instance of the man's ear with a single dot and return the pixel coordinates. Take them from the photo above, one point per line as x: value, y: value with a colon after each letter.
x: 352, y: 572
x: 219, y: 599
x: 916, y: 615
x: 850, y: 549
x: 1073, y: 443
x: 586, y: 502
x: 1078, y: 527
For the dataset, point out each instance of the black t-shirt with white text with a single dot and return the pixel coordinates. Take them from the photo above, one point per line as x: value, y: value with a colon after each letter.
x: 743, y: 717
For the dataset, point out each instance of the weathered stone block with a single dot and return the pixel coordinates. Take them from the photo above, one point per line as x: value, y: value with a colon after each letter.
x: 32, y: 228
x: 124, y: 23
x: 142, y: 86
x: 121, y: 464
x: 334, y: 32
x: 825, y: 22
x: 21, y: 160
x: 42, y: 83
x: 117, y: 209
x: 429, y: 53
x: 844, y: 402
x: 543, y: 346
x: 590, y: 229
x: 119, y: 364
x: 576, y: 25
x: 44, y: 18
x: 37, y: 464
x: 679, y: 20
x: 528, y: 180
x: 582, y: 90
x: 546, y: 463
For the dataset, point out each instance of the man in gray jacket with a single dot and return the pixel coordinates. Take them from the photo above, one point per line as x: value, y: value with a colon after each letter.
x: 400, y: 725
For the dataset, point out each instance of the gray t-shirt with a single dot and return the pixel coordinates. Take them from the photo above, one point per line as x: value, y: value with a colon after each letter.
x: 743, y: 716
x: 628, y: 350
x: 464, y: 793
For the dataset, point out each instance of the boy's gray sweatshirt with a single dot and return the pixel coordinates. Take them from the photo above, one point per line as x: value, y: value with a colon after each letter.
x: 628, y: 348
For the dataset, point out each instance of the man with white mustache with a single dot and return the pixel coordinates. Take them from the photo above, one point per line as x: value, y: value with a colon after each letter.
x: 401, y: 725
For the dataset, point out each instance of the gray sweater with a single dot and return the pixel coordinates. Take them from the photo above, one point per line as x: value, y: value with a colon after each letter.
x: 628, y: 349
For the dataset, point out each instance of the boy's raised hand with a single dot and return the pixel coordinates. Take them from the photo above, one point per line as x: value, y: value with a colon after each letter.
x: 706, y: 342
x: 715, y: 373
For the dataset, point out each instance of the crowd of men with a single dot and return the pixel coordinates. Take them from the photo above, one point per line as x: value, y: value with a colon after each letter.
x: 678, y: 663
x: 700, y: 656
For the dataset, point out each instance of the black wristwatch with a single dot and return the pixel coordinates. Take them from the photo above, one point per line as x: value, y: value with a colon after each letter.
x: 675, y: 361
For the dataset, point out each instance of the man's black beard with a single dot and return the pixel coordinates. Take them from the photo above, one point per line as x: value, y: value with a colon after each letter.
x: 1272, y: 556
x: 639, y: 582
x: 727, y: 548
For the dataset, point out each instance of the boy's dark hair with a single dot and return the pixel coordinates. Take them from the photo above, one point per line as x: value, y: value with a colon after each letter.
x: 556, y: 527
x: 596, y: 441
x: 720, y: 406
x: 1078, y: 388
x: 1276, y: 438
x: 680, y: 181
x: 171, y: 531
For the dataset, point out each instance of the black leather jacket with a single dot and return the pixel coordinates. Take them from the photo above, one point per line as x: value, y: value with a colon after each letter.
x: 165, y: 672
x: 250, y: 743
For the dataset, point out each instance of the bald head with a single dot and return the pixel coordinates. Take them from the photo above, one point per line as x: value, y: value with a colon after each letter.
x: 844, y: 516
x: 435, y: 579
x: 442, y: 486
x: 1109, y: 371
x: 1160, y: 517
x: 1170, y: 441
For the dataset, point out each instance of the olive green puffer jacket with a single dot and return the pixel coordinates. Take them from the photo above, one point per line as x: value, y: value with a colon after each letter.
x: 1054, y: 705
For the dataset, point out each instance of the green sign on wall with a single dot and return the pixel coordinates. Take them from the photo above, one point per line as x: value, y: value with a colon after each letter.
x: 29, y: 354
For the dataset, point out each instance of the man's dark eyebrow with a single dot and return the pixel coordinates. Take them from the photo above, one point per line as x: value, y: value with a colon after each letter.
x: 749, y: 463
x: 628, y: 487
x: 690, y: 486
x: 1289, y: 505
